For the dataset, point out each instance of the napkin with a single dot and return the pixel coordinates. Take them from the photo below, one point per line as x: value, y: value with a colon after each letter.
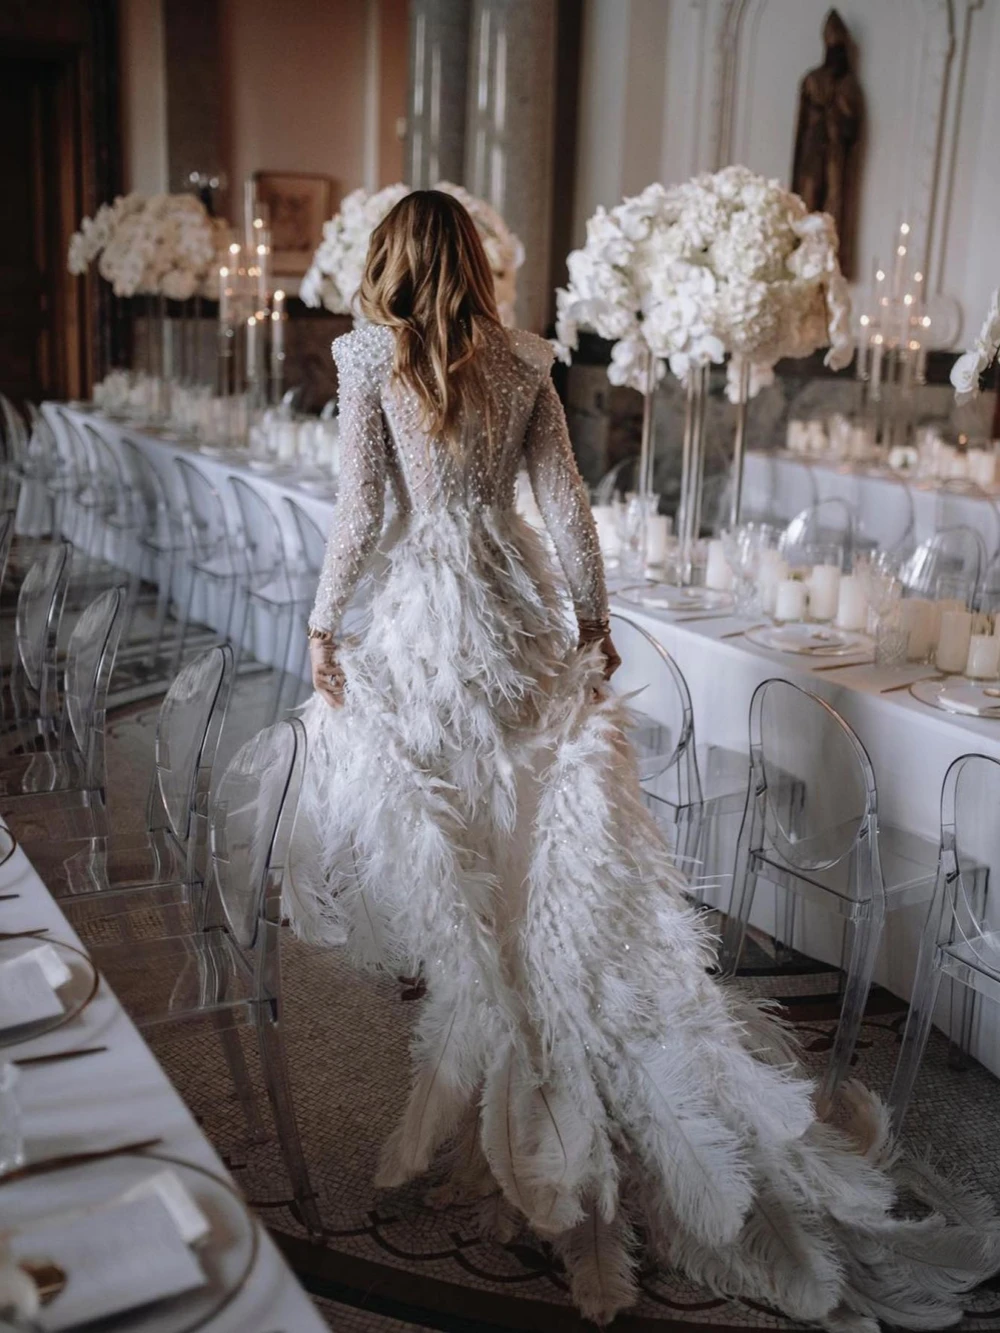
x: 116, y: 1258
x: 28, y: 985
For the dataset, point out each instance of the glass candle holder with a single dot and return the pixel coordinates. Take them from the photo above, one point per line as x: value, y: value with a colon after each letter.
x: 11, y: 1123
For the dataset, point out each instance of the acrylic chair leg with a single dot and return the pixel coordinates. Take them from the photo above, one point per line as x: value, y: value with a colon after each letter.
x: 741, y: 899
x: 960, y: 1035
x: 865, y: 936
x: 164, y: 590
x: 784, y: 924
x: 915, y: 1034
x: 281, y: 672
x: 238, y: 626
x: 232, y: 1049
x: 185, y: 622
x: 275, y: 1067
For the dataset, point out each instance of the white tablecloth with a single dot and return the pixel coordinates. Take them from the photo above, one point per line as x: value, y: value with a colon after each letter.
x: 910, y: 745
x: 783, y: 485
x: 123, y: 1096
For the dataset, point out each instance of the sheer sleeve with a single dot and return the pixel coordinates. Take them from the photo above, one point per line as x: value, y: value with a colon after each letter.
x: 562, y: 498
x: 357, y: 518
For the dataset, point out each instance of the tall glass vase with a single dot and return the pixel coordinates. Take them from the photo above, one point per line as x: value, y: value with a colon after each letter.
x: 739, y: 446
x: 692, y: 468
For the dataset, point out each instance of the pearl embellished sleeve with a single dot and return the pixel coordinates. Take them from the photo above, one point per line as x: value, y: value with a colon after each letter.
x: 357, y: 518
x: 562, y: 498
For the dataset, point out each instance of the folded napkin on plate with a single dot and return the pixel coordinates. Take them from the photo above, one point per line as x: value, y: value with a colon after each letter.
x: 28, y: 985
x: 123, y: 1254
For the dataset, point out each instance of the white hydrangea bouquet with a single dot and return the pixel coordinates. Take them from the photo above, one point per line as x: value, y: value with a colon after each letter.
x: 728, y: 263
x: 337, y: 267
x: 165, y: 245
x: 970, y: 367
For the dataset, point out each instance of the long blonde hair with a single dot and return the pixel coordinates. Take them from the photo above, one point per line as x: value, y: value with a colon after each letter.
x: 427, y: 277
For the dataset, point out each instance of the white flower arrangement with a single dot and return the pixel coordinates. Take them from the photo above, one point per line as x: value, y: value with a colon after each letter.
x: 165, y: 245
x: 334, y: 276
x: 728, y: 263
x: 971, y: 365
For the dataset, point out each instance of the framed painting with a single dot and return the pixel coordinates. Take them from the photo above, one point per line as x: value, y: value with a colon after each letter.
x: 298, y: 205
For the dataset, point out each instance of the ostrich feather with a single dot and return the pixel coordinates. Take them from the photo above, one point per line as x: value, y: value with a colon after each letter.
x: 599, y: 1261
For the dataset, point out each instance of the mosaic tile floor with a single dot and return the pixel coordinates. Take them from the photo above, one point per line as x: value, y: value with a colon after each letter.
x: 390, y: 1264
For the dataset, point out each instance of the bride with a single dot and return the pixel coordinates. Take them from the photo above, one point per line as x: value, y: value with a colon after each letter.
x: 471, y: 808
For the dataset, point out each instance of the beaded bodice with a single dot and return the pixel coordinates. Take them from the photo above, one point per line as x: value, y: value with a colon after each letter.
x: 382, y: 440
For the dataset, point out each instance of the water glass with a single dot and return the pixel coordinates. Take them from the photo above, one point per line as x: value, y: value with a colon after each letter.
x: 633, y: 539
x: 11, y: 1124
x: 891, y: 637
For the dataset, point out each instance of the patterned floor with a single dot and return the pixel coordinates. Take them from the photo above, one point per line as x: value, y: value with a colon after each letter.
x: 390, y: 1264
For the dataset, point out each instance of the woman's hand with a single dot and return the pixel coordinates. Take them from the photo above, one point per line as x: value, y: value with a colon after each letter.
x: 597, y: 631
x: 327, y: 673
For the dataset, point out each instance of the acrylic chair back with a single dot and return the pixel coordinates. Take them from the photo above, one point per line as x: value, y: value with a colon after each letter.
x: 6, y: 540
x: 829, y: 522
x: 37, y: 620
x: 187, y: 739
x: 812, y: 781
x: 90, y: 660
x: 956, y: 555
x: 961, y: 937
x: 249, y: 831
x: 311, y: 542
x: 204, y: 515
x: 654, y: 689
x: 258, y: 540
x: 151, y: 504
x: 15, y: 432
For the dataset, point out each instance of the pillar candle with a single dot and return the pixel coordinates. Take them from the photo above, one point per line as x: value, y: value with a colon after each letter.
x: 790, y: 600
x: 824, y: 592
x: 953, y: 641
x: 773, y: 569
x: 657, y: 537
x: 718, y: 575
x: 921, y: 623
x: 983, y: 661
x: 852, y: 605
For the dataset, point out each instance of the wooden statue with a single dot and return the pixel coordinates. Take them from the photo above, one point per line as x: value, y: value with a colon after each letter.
x: 824, y: 171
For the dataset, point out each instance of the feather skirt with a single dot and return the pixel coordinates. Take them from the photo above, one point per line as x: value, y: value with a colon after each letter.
x: 474, y: 810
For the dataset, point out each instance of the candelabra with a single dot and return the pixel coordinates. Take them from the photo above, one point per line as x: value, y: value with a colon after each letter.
x: 894, y: 334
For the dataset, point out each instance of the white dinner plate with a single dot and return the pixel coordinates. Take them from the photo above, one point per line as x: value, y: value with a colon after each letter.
x: 667, y: 597
x: 957, y: 694
x: 76, y: 993
x: 809, y: 640
x: 226, y: 1255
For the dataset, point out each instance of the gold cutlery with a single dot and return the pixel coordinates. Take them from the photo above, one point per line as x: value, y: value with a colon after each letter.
x: 840, y: 666
x: 709, y: 615
x: 28, y: 1061
x: 24, y: 934
x: 735, y: 633
x: 8, y: 897
x: 66, y: 1160
x: 905, y: 684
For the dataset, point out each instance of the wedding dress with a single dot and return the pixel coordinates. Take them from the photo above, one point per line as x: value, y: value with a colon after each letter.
x: 473, y: 809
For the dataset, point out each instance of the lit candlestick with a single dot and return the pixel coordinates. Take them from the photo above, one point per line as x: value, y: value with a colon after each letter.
x: 278, y: 317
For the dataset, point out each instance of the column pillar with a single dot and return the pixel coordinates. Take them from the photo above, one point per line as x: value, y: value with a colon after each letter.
x: 509, y: 133
x: 439, y: 62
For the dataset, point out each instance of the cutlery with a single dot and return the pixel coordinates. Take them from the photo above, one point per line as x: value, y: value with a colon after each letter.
x: 29, y: 1060
x: 7, y: 897
x: 67, y: 1160
x: 711, y: 615
x: 839, y: 666
x: 905, y: 684
x: 24, y: 934
x: 735, y: 633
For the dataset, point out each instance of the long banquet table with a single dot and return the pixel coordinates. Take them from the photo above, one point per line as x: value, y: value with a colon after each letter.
x: 784, y: 484
x: 910, y: 744
x: 123, y: 1096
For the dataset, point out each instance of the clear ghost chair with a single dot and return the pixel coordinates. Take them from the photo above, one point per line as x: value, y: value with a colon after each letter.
x: 269, y: 587
x: 76, y: 765
x: 885, y: 513
x: 958, y: 554
x: 209, y: 557
x: 230, y: 972
x: 90, y: 499
x: 617, y: 480
x: 15, y: 448
x: 830, y: 522
x: 168, y: 855
x: 811, y: 826
x: 685, y: 785
x: 121, y: 515
x: 159, y: 544
x: 961, y: 937
x: 31, y: 697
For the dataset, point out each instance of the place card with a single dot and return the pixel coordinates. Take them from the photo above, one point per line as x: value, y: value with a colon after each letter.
x: 191, y: 1223
x: 28, y: 985
x: 115, y: 1259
